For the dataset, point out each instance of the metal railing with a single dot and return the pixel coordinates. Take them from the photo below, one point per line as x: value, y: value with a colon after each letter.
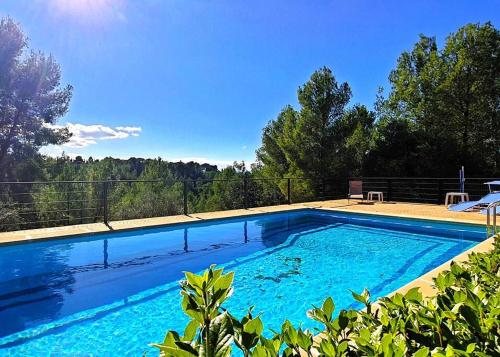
x: 423, y: 189
x: 26, y: 205
x: 491, y: 218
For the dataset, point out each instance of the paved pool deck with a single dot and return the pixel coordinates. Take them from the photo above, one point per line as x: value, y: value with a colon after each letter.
x: 398, y: 209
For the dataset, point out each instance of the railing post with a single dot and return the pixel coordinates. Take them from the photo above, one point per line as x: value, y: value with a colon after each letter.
x: 288, y: 190
x: 488, y: 222
x: 389, y: 190
x: 494, y: 219
x: 245, y: 193
x: 67, y: 204
x: 185, y: 198
x: 440, y: 191
x: 81, y: 208
x: 323, y: 188
x: 105, y: 201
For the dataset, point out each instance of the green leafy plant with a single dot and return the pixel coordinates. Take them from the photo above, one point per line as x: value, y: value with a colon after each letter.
x: 462, y: 319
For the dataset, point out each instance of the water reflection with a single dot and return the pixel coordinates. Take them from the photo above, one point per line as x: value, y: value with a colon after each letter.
x: 105, y: 253
x: 276, y: 232
x: 44, y: 281
x: 40, y: 278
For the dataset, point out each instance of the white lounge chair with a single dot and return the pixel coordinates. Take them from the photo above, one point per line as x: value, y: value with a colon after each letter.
x: 479, y: 204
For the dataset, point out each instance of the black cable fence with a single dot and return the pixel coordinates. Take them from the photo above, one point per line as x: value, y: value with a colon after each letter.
x: 26, y: 205
x: 423, y: 189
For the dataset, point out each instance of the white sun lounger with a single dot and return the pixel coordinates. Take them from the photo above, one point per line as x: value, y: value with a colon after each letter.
x: 486, y: 200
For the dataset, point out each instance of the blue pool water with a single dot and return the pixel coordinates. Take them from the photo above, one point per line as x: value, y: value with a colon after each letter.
x: 112, y: 294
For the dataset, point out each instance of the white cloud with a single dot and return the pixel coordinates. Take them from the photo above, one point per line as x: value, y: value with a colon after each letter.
x: 244, y: 147
x: 85, y: 135
x: 132, y: 130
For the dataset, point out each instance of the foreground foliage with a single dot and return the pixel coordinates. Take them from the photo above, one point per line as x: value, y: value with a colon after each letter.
x: 463, y: 319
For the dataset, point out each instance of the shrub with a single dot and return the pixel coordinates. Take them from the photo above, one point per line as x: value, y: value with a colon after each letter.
x: 461, y: 320
x: 10, y: 218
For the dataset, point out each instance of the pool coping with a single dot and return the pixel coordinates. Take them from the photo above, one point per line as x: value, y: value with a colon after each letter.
x: 72, y: 231
x: 91, y: 229
x: 401, y: 215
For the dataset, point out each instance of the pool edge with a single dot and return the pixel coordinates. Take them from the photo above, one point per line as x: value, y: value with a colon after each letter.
x: 94, y: 229
x: 27, y: 236
x: 406, y: 216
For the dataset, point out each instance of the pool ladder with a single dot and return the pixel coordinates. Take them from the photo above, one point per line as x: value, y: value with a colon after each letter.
x: 491, y: 219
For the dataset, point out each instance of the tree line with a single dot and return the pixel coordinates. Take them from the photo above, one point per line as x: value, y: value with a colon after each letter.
x: 440, y: 112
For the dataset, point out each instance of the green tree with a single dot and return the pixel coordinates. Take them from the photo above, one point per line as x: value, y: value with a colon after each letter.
x: 353, y: 135
x: 322, y: 100
x: 448, y: 100
x: 31, y: 98
x: 323, y: 139
x: 224, y: 192
x: 159, y: 194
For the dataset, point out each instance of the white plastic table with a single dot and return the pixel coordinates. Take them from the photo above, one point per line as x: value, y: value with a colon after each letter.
x: 379, y: 194
x: 450, y: 196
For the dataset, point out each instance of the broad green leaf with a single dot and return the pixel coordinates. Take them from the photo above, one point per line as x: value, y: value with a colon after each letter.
x: 343, y: 320
x: 414, y: 295
x: 327, y: 348
x: 459, y: 296
x: 358, y: 297
x: 170, y: 338
x: 224, y: 282
x: 254, y: 326
x: 397, y: 300
x: 290, y: 335
x: 423, y: 352
x: 470, y: 347
x: 387, y: 344
x: 194, y: 280
x: 365, y: 334
x: 342, y: 347
x: 186, y: 347
x: 220, y: 337
x: 174, y: 351
x: 261, y: 351
x: 304, y: 340
x: 328, y: 307
x: 190, y: 330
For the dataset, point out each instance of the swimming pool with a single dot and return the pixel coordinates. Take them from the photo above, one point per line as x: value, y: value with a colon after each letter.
x: 112, y: 294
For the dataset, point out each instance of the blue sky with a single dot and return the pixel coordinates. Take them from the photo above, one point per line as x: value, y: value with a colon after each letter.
x: 199, y: 79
